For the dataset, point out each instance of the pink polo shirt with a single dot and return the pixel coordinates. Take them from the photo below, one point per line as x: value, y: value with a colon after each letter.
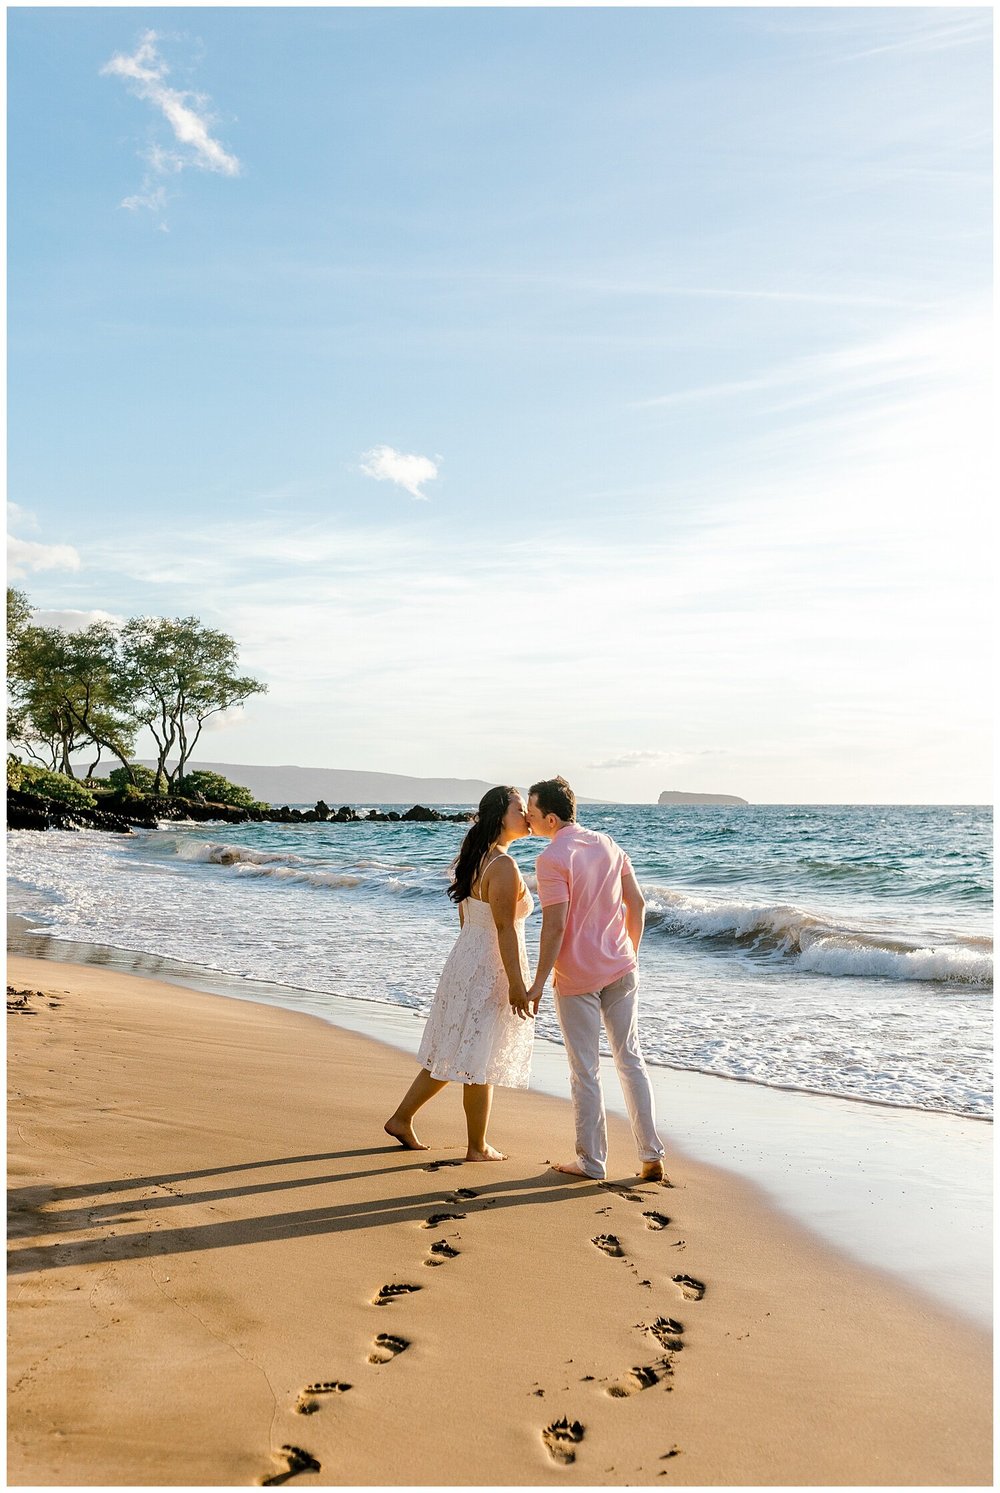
x: 585, y: 869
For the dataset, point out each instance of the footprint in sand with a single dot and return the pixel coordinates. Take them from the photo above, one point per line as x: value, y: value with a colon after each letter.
x: 298, y: 1461
x: 461, y: 1195
x: 666, y: 1331
x: 560, y: 1436
x: 610, y: 1244
x: 692, y: 1289
x: 386, y: 1347
x: 643, y: 1376
x: 436, y: 1218
x: 656, y: 1220
x: 436, y: 1166
x: 389, y: 1293
x: 306, y: 1402
x: 443, y: 1251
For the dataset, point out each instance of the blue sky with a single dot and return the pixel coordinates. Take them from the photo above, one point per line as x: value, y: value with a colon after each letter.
x: 598, y: 391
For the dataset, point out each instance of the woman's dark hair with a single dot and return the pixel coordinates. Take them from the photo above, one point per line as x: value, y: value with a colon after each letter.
x: 483, y: 832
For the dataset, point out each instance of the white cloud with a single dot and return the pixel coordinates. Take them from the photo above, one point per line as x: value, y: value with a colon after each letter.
x: 407, y: 471
x: 144, y: 73
x: 70, y: 619
x: 628, y: 759
x: 25, y: 554
x: 154, y: 198
x: 20, y: 518
x: 225, y: 719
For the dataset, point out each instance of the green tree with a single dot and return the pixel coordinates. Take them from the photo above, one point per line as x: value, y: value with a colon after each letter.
x: 134, y: 775
x: 216, y: 789
x: 179, y: 674
x: 18, y: 621
x: 69, y: 693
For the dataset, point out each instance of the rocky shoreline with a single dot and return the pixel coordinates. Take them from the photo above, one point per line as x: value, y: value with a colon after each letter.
x: 120, y: 814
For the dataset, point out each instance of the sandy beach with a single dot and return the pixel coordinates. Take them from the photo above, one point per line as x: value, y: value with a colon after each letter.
x: 206, y: 1212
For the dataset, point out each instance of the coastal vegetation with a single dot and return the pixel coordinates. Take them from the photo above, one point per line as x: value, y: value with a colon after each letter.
x: 94, y: 690
x: 25, y: 777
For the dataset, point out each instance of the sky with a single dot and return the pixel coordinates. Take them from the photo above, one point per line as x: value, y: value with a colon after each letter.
x: 595, y: 391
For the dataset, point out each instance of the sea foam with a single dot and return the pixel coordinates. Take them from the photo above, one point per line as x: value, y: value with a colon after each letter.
x: 814, y: 942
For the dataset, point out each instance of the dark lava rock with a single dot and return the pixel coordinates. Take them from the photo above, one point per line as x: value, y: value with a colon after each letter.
x: 29, y: 811
x: 158, y: 807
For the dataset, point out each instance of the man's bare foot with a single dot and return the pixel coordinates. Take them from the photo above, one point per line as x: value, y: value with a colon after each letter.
x: 652, y: 1171
x: 573, y: 1170
x: 488, y: 1153
x: 405, y: 1135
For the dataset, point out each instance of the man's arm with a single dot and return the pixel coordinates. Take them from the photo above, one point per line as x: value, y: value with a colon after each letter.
x: 635, y: 909
x: 553, y: 927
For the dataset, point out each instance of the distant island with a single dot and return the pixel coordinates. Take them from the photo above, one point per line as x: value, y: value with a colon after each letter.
x: 669, y: 798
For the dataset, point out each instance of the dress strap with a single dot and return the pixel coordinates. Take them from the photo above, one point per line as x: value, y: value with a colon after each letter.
x: 482, y: 872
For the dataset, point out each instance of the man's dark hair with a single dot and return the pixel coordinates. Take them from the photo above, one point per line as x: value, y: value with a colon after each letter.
x: 555, y: 796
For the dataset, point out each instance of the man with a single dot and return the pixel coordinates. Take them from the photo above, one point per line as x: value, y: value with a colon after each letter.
x: 593, y: 915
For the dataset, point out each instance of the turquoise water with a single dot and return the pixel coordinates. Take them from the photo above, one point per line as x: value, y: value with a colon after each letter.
x: 842, y: 950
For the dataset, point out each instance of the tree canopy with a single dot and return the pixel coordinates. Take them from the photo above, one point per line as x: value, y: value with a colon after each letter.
x: 97, y: 688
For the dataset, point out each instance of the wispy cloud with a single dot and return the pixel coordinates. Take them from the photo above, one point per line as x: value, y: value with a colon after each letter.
x: 20, y: 518
x: 408, y: 471
x: 24, y: 555
x: 931, y: 36
x: 193, y: 144
x: 920, y: 354
x: 628, y: 759
x: 71, y: 619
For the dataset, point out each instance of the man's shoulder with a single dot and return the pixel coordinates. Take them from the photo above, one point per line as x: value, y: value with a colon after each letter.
x: 597, y: 837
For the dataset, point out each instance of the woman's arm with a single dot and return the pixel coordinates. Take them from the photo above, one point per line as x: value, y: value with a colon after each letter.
x: 502, y: 894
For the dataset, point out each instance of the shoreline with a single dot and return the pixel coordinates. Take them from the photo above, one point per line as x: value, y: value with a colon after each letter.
x: 241, y: 1214
x: 905, y: 1193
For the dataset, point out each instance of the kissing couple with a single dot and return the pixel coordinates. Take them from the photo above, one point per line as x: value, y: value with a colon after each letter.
x: 480, y: 1029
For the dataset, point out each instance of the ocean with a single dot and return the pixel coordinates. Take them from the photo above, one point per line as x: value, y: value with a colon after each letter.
x: 844, y: 951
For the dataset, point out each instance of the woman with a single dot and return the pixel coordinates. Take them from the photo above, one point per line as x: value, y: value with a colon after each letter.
x: 477, y: 1032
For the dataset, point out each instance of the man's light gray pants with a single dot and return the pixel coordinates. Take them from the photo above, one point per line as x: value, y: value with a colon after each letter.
x: 580, y: 1019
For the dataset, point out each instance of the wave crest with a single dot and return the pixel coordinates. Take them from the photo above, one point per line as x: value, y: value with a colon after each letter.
x: 817, y: 944
x: 285, y: 866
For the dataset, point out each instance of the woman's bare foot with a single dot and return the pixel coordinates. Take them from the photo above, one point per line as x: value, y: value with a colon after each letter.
x: 652, y: 1171
x: 405, y: 1134
x: 573, y: 1170
x: 488, y: 1153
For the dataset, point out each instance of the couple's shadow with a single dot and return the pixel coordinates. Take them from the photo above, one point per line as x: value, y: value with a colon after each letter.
x: 118, y: 1202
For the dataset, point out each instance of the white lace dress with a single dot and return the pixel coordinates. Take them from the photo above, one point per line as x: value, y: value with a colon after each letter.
x: 472, y: 1035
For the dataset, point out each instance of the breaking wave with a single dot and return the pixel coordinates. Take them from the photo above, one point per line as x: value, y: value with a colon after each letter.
x: 816, y: 943
x: 372, y: 874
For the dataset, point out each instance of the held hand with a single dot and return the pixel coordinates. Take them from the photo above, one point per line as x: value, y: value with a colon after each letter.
x: 518, y: 1000
x: 534, y: 997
